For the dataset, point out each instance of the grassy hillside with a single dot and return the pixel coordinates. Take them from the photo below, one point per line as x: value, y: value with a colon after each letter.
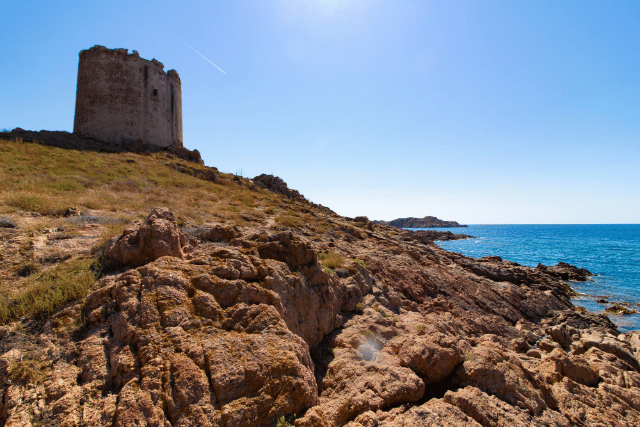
x: 49, y: 180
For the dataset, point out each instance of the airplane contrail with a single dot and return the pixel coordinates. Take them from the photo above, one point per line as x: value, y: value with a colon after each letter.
x: 207, y: 59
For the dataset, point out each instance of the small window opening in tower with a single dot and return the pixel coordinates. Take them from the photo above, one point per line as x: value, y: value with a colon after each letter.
x: 155, y: 92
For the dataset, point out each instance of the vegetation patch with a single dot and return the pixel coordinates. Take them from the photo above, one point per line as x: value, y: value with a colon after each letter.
x: 284, y: 421
x: 287, y: 221
x: 27, y: 371
x: 47, y: 292
x: 29, y: 202
x: 331, y: 260
x: 48, y: 180
x: 360, y: 262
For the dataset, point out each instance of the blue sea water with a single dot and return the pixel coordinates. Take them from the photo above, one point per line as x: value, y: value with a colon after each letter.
x: 610, y: 251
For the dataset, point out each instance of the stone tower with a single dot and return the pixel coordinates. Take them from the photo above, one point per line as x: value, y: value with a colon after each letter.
x: 124, y: 99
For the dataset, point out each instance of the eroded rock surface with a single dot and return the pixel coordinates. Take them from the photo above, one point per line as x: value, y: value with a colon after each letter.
x: 248, y: 327
x: 142, y: 242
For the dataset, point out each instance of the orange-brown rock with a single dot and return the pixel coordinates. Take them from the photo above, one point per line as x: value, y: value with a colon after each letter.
x: 248, y: 327
x: 143, y: 242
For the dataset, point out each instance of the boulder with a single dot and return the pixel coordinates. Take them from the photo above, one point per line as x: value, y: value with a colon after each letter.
x: 143, y: 242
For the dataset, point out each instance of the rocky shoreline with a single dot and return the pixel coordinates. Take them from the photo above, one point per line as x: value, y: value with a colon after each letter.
x: 245, y: 326
x: 426, y: 222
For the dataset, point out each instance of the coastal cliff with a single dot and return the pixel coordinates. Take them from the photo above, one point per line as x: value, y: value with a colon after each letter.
x: 240, y: 303
x: 426, y: 222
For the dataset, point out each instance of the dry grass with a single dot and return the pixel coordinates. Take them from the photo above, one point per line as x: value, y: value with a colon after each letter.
x: 49, y: 180
x: 27, y: 371
x: 288, y: 221
x: 331, y: 260
x: 50, y: 290
x: 109, y: 231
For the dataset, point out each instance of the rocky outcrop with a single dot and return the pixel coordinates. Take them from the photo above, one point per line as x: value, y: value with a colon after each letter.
x: 7, y: 222
x: 564, y: 271
x: 276, y: 185
x: 143, y: 242
x: 426, y: 222
x: 248, y: 328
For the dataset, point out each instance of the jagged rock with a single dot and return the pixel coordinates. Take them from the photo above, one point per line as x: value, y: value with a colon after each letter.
x: 174, y: 353
x: 433, y: 357
x: 566, y: 271
x: 221, y: 233
x: 7, y: 223
x: 288, y: 248
x: 277, y: 185
x: 490, y: 411
x: 619, y: 309
x: 493, y: 370
x: 143, y: 242
x: 434, y: 413
x: 558, y: 364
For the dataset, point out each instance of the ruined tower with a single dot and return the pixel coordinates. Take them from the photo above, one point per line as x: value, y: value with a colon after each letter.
x: 123, y: 99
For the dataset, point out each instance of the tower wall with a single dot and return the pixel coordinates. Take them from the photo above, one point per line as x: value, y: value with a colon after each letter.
x: 122, y: 98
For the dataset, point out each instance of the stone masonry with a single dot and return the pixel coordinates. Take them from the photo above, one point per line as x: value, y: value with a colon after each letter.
x: 125, y: 99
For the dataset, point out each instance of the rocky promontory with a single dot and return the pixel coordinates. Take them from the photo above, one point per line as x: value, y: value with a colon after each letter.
x: 426, y: 222
x: 289, y: 314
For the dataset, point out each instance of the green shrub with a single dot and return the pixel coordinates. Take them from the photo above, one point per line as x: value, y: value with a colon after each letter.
x: 360, y: 262
x: 359, y: 308
x: 284, y: 421
x: 328, y: 270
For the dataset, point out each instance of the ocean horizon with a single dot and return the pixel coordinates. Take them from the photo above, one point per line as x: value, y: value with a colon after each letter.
x: 610, y: 251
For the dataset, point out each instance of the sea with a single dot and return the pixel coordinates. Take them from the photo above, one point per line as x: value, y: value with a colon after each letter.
x: 610, y: 251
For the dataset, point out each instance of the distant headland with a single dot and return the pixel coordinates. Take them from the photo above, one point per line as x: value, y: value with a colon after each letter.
x: 426, y: 222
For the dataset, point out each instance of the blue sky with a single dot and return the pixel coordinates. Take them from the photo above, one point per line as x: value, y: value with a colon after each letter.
x: 475, y: 111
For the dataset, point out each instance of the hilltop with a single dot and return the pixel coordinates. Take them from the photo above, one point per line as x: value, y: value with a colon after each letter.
x: 144, y: 289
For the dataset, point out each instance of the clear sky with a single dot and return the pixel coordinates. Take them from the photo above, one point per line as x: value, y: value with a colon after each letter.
x: 474, y: 111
